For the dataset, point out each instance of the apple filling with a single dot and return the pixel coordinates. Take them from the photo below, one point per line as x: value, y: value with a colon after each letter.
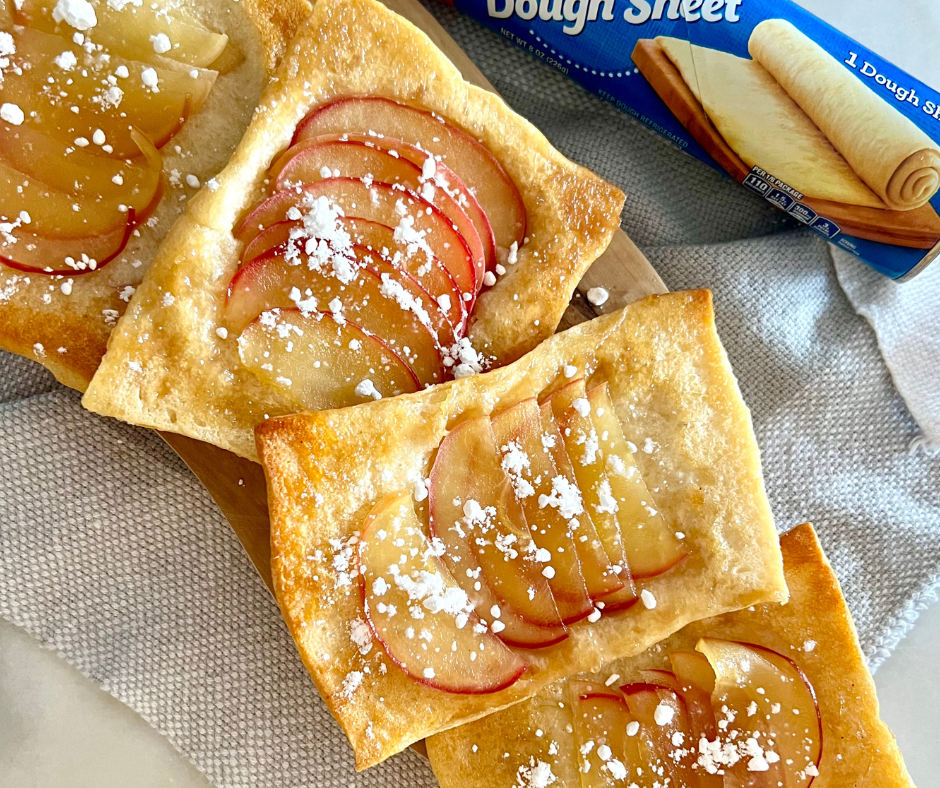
x: 360, y: 269
x: 89, y: 95
x: 536, y: 517
x: 727, y: 714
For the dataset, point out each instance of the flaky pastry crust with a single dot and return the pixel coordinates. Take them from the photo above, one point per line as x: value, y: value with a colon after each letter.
x: 167, y: 368
x: 677, y: 398
x: 815, y: 629
x: 68, y: 333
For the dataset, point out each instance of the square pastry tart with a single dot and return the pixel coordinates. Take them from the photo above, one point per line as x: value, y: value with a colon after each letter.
x: 383, y: 226
x: 444, y: 554
x: 111, y: 115
x: 764, y: 697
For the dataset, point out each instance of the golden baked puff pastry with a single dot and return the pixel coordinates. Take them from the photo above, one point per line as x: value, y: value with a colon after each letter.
x: 441, y: 555
x: 780, y: 695
x: 113, y: 114
x: 383, y: 226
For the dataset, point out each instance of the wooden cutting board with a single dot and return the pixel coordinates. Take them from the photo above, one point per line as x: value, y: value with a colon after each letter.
x: 237, y: 485
x: 918, y: 229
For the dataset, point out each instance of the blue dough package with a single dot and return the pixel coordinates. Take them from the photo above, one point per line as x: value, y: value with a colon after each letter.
x: 766, y: 93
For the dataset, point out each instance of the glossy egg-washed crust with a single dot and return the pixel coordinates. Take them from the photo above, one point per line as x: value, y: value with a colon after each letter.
x: 191, y: 381
x: 858, y: 749
x: 33, y: 328
x: 671, y: 383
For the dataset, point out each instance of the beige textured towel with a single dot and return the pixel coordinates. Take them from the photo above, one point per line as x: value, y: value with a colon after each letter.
x: 887, y: 150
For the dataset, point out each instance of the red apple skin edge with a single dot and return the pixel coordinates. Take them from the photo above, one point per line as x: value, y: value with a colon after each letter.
x: 619, y: 607
x: 812, y: 692
x: 420, y: 679
x: 521, y: 232
x: 248, y: 228
x: 553, y: 636
x: 129, y: 228
x: 275, y: 251
x: 133, y: 220
x: 417, y: 157
x: 429, y: 683
x: 274, y: 236
x: 543, y: 637
x: 275, y: 239
x: 639, y: 686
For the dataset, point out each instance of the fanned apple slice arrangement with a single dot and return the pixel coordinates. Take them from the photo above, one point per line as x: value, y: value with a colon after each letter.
x: 90, y: 92
x: 361, y: 267
x: 538, y: 518
x: 727, y: 714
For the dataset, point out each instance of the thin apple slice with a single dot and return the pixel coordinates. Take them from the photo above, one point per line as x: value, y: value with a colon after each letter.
x: 608, y: 578
x: 532, y: 472
x: 697, y: 683
x: 475, y: 514
x: 664, y: 732
x: 317, y: 361
x: 316, y: 160
x: 435, y: 172
x: 267, y: 282
x: 423, y: 619
x: 431, y: 274
x: 605, y: 580
x: 694, y: 669
x: 273, y: 238
x: 33, y: 253
x: 434, y: 278
x: 272, y: 281
x: 650, y: 544
x: 610, y: 757
x: 325, y: 241
x: 49, y: 92
x: 661, y: 678
x: 94, y: 180
x: 474, y: 164
x: 768, y: 699
x: 583, y: 448
x: 415, y: 221
x: 407, y: 291
x: 698, y: 705
x: 56, y: 232
x: 128, y: 30
x: 49, y: 212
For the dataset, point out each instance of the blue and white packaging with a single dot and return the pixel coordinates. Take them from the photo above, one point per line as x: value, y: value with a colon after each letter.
x: 766, y: 93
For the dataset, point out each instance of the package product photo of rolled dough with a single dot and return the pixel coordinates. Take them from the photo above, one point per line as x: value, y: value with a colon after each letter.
x: 892, y: 155
x: 796, y: 112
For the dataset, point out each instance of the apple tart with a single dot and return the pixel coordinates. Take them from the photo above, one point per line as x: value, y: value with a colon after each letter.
x: 111, y: 115
x: 767, y: 696
x: 444, y: 554
x: 383, y: 226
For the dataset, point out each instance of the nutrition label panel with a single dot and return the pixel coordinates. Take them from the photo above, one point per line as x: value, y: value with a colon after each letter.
x: 784, y: 197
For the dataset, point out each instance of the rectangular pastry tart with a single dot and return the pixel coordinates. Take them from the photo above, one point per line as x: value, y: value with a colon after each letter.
x: 383, y: 226
x: 113, y: 114
x: 444, y: 554
x: 765, y: 697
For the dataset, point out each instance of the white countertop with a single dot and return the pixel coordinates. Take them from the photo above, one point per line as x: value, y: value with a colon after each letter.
x: 57, y: 728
